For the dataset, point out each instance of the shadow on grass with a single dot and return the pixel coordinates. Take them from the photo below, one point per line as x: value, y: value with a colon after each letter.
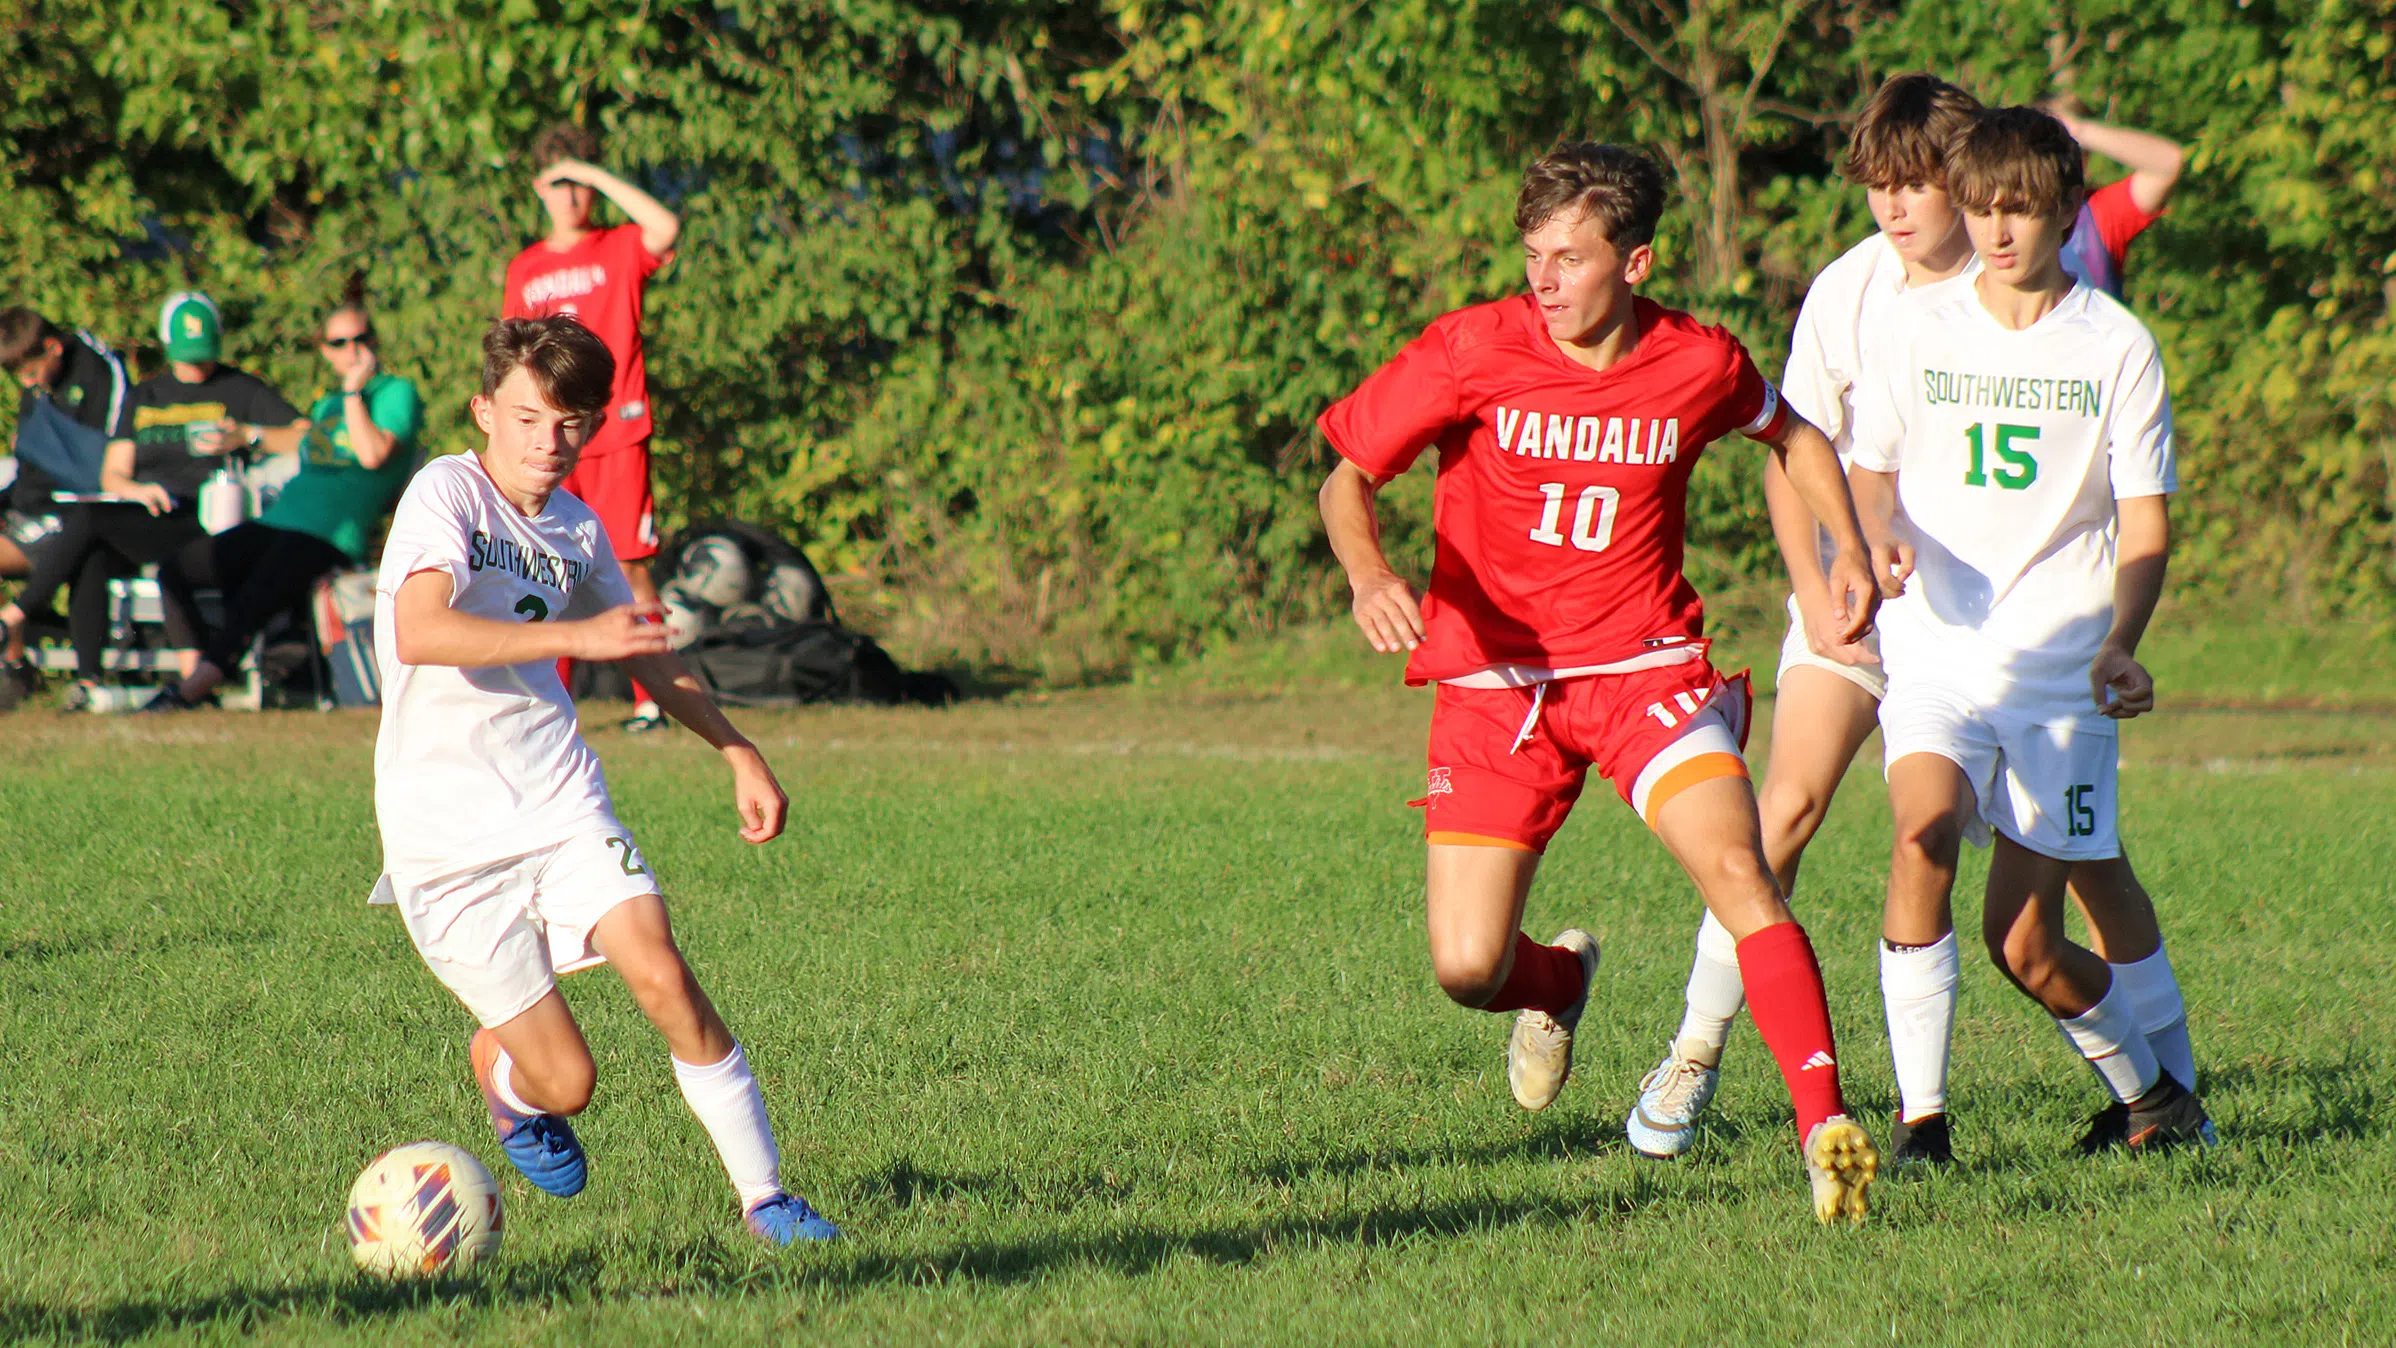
x: 708, y: 1267
x: 121, y: 941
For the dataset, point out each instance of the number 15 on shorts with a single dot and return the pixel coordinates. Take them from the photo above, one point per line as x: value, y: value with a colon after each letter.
x: 2079, y: 810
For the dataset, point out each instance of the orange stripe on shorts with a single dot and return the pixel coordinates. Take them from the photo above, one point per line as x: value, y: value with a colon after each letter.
x: 1476, y: 840
x: 1703, y: 768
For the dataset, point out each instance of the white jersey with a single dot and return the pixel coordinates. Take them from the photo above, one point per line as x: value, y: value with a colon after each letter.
x: 1850, y: 310
x: 2010, y: 449
x: 478, y: 765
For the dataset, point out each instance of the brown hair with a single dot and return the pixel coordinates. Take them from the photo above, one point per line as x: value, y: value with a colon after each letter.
x: 2021, y: 159
x: 565, y: 141
x: 1907, y: 131
x: 22, y: 331
x: 1622, y: 190
x: 570, y: 365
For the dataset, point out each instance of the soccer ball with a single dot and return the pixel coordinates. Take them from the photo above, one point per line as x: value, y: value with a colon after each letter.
x: 715, y: 571
x: 686, y: 618
x: 422, y: 1210
x: 793, y: 594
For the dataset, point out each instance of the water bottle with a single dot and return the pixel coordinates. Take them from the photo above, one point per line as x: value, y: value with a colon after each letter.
x: 224, y: 501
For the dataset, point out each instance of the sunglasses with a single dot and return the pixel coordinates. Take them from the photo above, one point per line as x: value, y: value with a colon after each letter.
x: 342, y: 343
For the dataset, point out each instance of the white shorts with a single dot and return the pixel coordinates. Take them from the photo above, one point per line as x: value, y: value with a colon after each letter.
x: 498, y: 935
x: 1796, y: 651
x: 2050, y: 787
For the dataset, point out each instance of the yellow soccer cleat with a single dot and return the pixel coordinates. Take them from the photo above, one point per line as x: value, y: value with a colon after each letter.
x: 1841, y: 1161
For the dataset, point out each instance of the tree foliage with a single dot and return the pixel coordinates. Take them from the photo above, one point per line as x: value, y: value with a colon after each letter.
x: 1019, y: 311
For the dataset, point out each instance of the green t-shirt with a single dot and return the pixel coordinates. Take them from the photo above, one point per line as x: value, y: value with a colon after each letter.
x: 331, y: 497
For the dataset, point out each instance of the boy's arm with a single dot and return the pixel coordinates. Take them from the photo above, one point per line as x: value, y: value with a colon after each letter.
x: 1384, y: 603
x: 116, y: 478
x: 427, y: 631
x: 1812, y: 468
x: 2142, y: 551
x: 756, y: 794
x: 1875, y: 494
x: 1800, y: 539
x: 2154, y: 162
x: 660, y: 227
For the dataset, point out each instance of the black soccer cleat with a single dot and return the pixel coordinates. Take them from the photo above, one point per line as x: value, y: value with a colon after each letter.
x: 2107, y: 1128
x: 2167, y: 1116
x: 1925, y: 1141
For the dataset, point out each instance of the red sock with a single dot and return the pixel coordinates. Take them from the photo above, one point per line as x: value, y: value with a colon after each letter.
x: 1545, y: 977
x: 1784, y: 994
x: 640, y: 694
x: 565, y: 673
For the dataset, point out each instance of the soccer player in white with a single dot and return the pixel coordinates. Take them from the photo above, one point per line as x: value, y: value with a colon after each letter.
x: 500, y: 845
x: 2015, y: 463
x: 1829, y: 693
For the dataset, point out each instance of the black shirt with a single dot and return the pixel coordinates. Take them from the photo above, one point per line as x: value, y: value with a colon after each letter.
x: 163, y: 412
x: 90, y: 388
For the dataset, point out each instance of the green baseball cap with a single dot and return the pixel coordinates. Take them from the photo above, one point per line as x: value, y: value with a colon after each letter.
x: 189, y: 328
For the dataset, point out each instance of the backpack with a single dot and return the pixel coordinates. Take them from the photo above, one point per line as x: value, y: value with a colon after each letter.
x: 788, y: 664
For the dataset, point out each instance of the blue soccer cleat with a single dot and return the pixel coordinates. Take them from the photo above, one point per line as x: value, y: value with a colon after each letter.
x: 786, y: 1220
x: 542, y: 1147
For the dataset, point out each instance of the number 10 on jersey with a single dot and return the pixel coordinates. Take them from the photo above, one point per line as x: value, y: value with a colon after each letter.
x: 1592, y: 518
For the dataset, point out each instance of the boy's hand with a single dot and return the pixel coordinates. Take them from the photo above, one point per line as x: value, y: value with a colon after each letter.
x: 1822, y: 634
x: 1386, y: 610
x: 756, y: 794
x: 1853, y: 599
x: 1892, y: 565
x: 623, y: 631
x: 2120, y: 685
x: 152, y: 497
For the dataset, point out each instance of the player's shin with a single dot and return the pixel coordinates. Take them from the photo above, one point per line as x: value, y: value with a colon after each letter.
x: 1784, y: 994
x: 1918, y: 988
x: 2161, y: 1014
x: 1715, y: 992
x: 725, y: 1098
x: 2107, y: 1035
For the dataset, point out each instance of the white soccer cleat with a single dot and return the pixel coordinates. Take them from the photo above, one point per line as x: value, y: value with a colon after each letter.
x: 1663, y: 1124
x: 1539, y: 1051
x: 1841, y: 1161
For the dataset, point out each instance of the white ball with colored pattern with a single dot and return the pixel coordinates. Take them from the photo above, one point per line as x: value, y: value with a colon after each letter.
x: 423, y: 1210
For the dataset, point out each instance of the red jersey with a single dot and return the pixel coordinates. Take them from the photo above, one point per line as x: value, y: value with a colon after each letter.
x: 599, y: 281
x: 1563, y: 491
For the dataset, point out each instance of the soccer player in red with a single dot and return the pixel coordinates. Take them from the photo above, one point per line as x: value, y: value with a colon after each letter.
x: 1562, y: 634
x: 599, y: 275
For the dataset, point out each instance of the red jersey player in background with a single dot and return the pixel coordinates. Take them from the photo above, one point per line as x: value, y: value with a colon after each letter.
x: 1562, y: 633
x: 2099, y: 246
x: 598, y: 275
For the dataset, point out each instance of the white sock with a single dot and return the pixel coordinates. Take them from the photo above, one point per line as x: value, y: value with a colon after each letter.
x: 1715, y: 992
x: 2107, y: 1035
x: 724, y: 1095
x: 2161, y: 1014
x: 1917, y: 986
x: 503, y: 1084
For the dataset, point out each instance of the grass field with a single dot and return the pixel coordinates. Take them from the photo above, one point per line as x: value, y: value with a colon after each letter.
x: 1104, y: 1017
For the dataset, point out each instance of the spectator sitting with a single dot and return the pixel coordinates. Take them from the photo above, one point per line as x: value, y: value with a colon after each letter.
x: 81, y: 377
x: 171, y: 436
x: 355, y: 458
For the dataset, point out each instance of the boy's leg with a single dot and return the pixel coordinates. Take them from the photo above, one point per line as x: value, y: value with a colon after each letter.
x: 1932, y: 807
x: 2123, y: 930
x: 1500, y: 785
x: 1820, y: 722
x: 1473, y: 900
x: 1711, y: 828
x: 709, y: 1067
x: 2022, y: 926
x: 539, y: 1063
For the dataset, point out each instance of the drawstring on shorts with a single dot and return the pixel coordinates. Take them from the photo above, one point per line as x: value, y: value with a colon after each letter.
x: 1530, y: 722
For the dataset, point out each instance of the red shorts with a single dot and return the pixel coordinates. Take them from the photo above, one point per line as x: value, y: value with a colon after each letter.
x: 1508, y: 763
x: 615, y: 485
